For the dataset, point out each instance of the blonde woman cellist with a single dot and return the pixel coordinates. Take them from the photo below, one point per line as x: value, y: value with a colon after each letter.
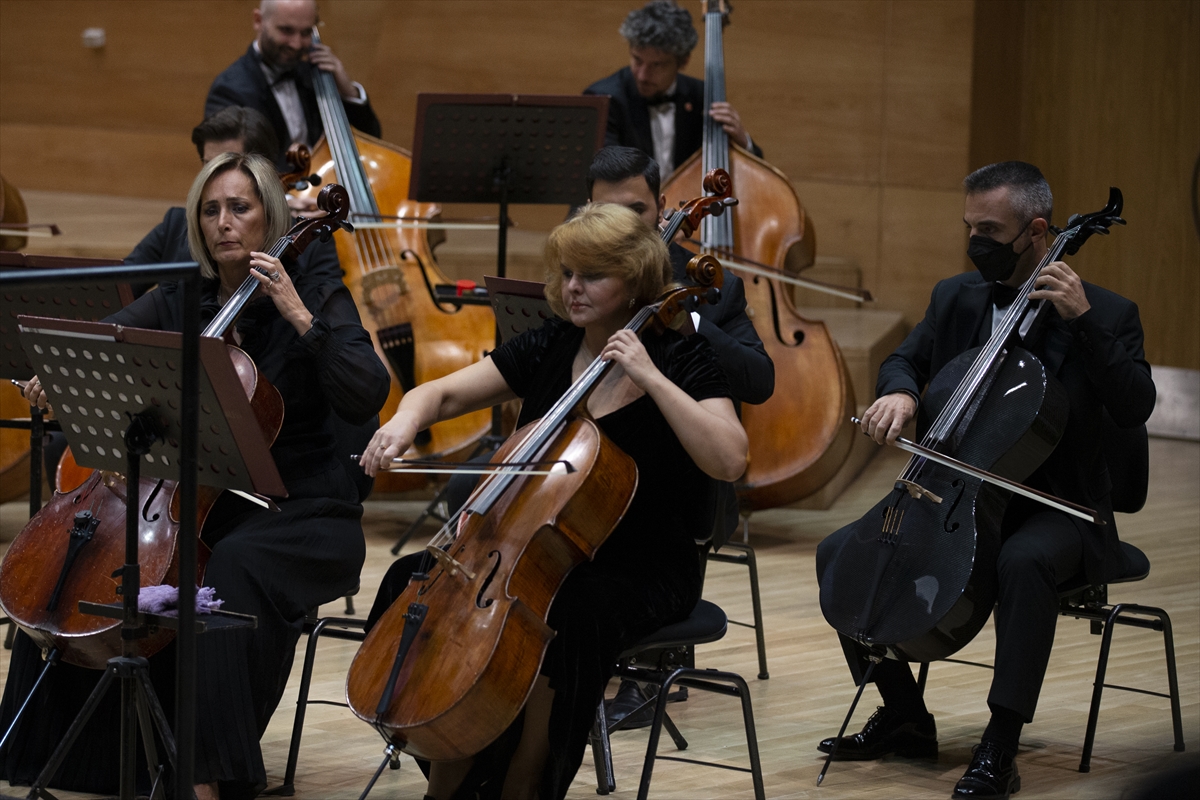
x: 667, y: 405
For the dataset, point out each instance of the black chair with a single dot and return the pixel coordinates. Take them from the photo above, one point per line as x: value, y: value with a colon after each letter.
x: 316, y: 627
x: 744, y: 554
x: 1082, y: 600
x: 707, y: 623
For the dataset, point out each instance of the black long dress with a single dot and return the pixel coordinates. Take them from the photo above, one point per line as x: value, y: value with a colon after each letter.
x: 275, y: 566
x: 647, y: 573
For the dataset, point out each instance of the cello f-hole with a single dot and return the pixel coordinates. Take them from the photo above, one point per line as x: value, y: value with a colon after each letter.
x: 949, y: 526
x: 479, y: 601
x: 150, y: 501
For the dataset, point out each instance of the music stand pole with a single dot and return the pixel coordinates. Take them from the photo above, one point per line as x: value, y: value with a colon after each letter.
x: 536, y: 149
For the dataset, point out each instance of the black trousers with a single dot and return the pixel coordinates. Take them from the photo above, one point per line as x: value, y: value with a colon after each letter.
x: 1040, y: 550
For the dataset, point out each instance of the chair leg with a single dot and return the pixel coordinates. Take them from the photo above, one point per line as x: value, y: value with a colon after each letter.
x: 747, y: 557
x: 707, y: 680
x: 288, y: 788
x: 602, y: 753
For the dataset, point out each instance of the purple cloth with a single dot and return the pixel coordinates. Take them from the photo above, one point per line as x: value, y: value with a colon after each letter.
x: 164, y: 599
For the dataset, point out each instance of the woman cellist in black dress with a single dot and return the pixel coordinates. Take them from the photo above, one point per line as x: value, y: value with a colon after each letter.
x: 666, y: 404
x: 305, y: 337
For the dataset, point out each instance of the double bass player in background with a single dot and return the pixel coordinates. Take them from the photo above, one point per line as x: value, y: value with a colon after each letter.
x: 275, y: 76
x: 1092, y: 342
x: 653, y: 106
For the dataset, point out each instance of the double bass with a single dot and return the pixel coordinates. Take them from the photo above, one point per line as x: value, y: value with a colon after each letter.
x: 390, y: 274
x: 450, y: 664
x: 44, y: 576
x: 802, y: 434
x: 918, y: 576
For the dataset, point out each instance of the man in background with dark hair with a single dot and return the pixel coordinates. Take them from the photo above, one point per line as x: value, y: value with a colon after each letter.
x: 231, y: 130
x: 275, y: 76
x: 653, y: 106
x: 1090, y: 339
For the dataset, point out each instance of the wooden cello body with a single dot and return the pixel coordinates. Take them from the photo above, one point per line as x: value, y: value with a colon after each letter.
x: 802, y: 434
x: 391, y: 272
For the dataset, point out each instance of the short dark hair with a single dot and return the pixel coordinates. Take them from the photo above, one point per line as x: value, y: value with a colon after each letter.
x: 663, y: 25
x: 238, y: 122
x: 615, y: 163
x: 1028, y: 190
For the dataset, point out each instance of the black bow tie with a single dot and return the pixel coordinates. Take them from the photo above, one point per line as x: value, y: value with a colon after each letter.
x: 660, y: 99
x: 282, y: 76
x: 1003, y: 296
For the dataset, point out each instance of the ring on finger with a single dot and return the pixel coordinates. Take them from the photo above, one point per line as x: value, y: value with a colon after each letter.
x: 274, y: 276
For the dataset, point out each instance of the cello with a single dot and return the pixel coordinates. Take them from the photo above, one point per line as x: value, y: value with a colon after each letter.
x: 802, y: 434
x: 390, y: 274
x: 918, y: 576
x: 450, y: 664
x: 43, y: 577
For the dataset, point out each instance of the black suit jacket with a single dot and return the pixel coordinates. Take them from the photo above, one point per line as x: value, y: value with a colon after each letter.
x: 243, y: 84
x: 740, y: 352
x: 744, y: 360
x: 1098, y: 357
x: 629, y: 117
x: 167, y: 244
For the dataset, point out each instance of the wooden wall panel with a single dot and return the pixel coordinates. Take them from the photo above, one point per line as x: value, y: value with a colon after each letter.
x: 852, y: 100
x: 1111, y: 97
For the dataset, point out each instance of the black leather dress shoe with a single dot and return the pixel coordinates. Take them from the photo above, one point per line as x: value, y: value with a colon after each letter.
x: 629, y: 696
x: 887, y: 732
x: 992, y: 775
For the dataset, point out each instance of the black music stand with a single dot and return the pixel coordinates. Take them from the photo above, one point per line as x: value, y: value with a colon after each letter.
x: 99, y: 378
x: 91, y: 300
x: 505, y: 148
x: 518, y: 305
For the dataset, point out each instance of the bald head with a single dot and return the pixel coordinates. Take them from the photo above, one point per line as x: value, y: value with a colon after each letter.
x: 284, y: 29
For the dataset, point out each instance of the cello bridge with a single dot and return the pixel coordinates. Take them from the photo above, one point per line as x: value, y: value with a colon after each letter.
x: 917, y: 491
x: 449, y: 563
x: 387, y: 281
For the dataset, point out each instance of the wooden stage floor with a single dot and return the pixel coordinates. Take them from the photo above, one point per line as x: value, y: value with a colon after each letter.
x: 809, y: 690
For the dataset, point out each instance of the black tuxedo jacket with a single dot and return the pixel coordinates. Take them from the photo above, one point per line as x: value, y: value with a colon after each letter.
x: 629, y: 118
x: 243, y: 84
x: 744, y: 360
x: 740, y: 352
x: 167, y: 244
x: 1098, y: 358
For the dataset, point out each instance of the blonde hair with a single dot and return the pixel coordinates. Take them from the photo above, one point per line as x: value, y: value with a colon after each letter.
x: 267, y: 188
x: 607, y: 239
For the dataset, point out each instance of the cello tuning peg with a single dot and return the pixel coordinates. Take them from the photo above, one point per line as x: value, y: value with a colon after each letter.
x: 346, y: 226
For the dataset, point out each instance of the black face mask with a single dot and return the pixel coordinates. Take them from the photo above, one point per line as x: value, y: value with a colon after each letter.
x: 996, y: 261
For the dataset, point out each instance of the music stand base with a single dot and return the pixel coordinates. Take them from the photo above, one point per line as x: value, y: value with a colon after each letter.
x: 133, y: 673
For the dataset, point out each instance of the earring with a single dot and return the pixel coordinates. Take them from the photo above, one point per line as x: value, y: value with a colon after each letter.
x: 632, y: 300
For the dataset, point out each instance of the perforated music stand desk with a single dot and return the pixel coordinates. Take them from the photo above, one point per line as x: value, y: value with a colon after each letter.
x: 505, y: 148
x: 519, y: 305
x: 85, y: 300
